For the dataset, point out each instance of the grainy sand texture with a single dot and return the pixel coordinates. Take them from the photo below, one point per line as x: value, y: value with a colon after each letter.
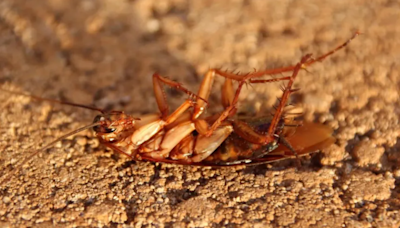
x: 104, y: 52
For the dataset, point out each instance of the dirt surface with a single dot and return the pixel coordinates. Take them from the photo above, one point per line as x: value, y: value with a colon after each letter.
x: 104, y: 52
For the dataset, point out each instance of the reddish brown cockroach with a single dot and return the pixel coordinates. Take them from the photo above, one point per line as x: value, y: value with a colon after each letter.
x: 185, y: 137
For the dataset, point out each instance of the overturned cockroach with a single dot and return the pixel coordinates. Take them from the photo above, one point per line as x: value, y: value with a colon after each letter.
x: 186, y: 137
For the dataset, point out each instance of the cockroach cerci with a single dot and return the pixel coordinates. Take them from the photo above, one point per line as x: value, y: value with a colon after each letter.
x: 188, y: 137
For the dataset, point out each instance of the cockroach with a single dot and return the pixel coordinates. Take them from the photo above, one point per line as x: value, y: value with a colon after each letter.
x: 186, y: 137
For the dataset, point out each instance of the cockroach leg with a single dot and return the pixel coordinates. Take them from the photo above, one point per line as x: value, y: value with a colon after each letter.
x: 240, y: 77
x: 322, y: 57
x: 285, y: 97
x: 205, y: 90
x: 147, y: 131
x: 248, y: 133
x: 229, y: 110
x: 269, y: 80
x: 204, y: 93
x: 229, y: 101
x: 179, y: 112
x: 287, y: 144
x: 161, y: 97
x: 227, y: 93
x: 245, y: 131
x: 118, y: 150
x: 228, y: 98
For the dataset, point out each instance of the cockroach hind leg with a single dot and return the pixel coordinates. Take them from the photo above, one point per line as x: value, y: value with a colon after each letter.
x: 160, y: 94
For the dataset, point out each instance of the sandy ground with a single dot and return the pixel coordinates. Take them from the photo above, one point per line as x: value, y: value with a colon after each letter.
x: 104, y: 52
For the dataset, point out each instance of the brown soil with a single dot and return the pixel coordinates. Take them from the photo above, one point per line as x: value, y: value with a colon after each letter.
x: 104, y: 52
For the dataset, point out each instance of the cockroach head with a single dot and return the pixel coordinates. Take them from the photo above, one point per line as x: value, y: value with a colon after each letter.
x: 105, y: 123
x: 113, y: 126
x: 111, y: 122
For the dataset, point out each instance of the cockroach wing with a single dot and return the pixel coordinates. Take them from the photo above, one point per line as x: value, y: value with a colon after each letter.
x: 307, y: 138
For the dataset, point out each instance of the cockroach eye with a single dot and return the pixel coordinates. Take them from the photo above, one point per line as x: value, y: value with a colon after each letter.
x: 109, y: 130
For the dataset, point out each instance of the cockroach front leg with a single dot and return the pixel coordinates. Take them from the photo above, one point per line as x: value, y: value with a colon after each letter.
x: 161, y: 97
x: 202, y: 126
x: 177, y: 131
x: 147, y: 131
x: 205, y: 144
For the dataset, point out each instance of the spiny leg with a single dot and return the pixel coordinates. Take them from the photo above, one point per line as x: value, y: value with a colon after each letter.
x: 179, y: 111
x: 285, y: 96
x: 204, y: 94
x: 146, y: 132
x: 229, y: 101
x: 227, y: 95
x: 245, y: 131
x: 227, y: 91
x: 284, y: 99
x: 160, y: 95
x: 202, y: 127
x: 143, y: 134
x: 250, y: 135
x: 240, y: 77
x: 269, y: 80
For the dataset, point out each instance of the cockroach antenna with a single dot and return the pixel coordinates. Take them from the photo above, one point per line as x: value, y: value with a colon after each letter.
x: 7, y: 177
x: 54, y: 101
